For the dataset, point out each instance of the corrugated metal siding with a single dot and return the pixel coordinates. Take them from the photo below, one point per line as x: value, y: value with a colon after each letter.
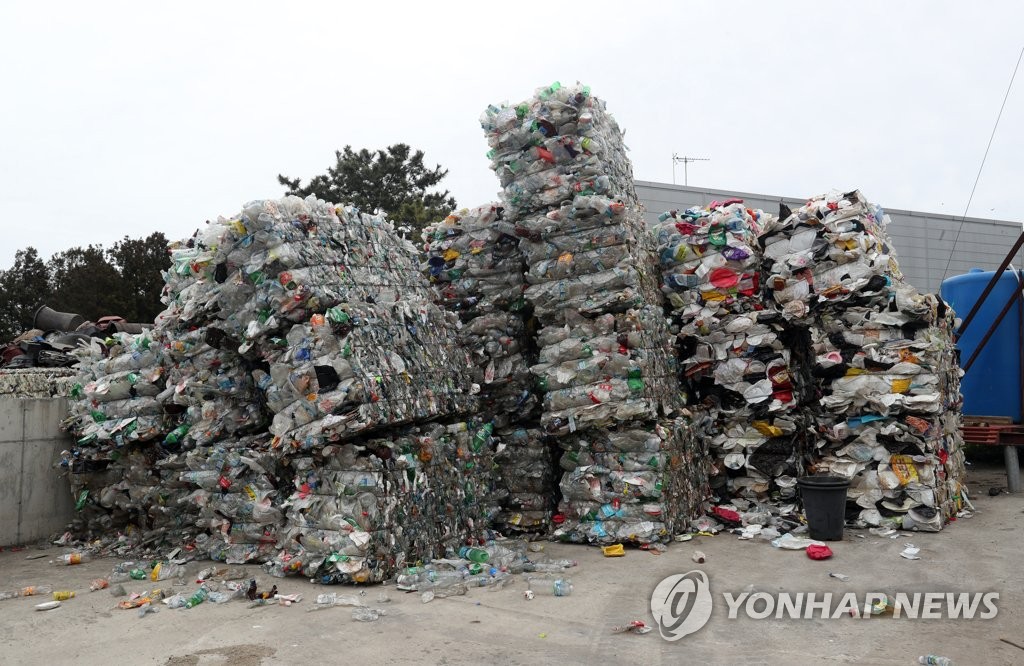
x: 923, y: 241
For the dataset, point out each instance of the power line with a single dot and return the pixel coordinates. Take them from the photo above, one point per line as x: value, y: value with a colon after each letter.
x: 984, y: 157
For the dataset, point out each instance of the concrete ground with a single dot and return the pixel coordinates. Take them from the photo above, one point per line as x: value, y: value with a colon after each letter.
x: 979, y: 554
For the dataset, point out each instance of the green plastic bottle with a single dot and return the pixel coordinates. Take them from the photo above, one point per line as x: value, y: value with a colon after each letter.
x: 478, y: 555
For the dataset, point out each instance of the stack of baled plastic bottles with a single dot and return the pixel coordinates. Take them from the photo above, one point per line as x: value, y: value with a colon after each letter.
x: 604, y: 355
x: 237, y: 498
x: 477, y: 270
x: 362, y: 510
x: 333, y: 323
x: 735, y: 355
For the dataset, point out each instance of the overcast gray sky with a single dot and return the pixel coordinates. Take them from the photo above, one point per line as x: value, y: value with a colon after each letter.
x: 127, y: 118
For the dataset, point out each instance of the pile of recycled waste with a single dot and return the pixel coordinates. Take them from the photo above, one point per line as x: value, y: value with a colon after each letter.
x: 476, y: 267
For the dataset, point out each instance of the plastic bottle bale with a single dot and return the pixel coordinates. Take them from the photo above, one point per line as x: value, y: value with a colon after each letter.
x: 364, y: 367
x: 571, y: 142
x: 237, y: 498
x: 613, y: 368
x: 364, y: 508
x: 476, y: 269
x: 638, y: 484
x: 527, y: 472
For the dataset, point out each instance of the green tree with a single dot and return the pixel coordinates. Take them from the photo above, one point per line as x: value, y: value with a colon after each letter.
x: 23, y: 288
x: 86, y: 283
x: 394, y: 181
x: 140, y: 262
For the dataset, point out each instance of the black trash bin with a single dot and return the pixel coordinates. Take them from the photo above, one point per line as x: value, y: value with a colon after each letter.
x: 824, y: 505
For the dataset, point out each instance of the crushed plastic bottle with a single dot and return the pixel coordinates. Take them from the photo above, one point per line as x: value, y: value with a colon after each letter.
x: 364, y: 614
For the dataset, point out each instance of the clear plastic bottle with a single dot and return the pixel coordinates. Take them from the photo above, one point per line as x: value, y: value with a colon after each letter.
x: 558, y: 587
x: 28, y: 591
x: 364, y: 614
x: 69, y: 559
x: 165, y: 570
x: 934, y: 659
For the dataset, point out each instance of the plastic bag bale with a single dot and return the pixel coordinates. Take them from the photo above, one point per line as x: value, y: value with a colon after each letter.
x: 476, y: 268
x: 237, y: 498
x: 528, y: 473
x: 639, y: 484
x: 361, y: 367
x: 834, y: 249
x: 710, y: 262
x: 362, y: 509
x: 889, y: 415
x: 735, y: 357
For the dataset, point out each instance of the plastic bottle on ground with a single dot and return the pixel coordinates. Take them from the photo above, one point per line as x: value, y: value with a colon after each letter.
x: 198, y: 597
x: 558, y: 587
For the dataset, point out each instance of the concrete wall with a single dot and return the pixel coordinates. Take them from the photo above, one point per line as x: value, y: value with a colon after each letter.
x: 35, y: 497
x: 929, y: 247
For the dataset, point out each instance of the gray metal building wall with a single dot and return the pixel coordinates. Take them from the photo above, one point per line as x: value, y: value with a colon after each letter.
x: 923, y: 241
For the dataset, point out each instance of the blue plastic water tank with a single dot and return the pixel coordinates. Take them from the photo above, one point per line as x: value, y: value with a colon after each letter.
x: 992, y: 387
